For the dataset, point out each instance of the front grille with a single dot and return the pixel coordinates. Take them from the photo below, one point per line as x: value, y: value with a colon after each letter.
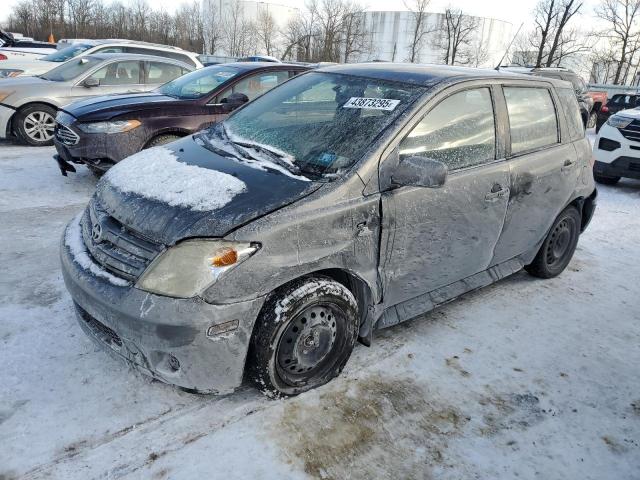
x: 65, y: 135
x: 631, y: 131
x: 119, y: 250
x: 99, y: 330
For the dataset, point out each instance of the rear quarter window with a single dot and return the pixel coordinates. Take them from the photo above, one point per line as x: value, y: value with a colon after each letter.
x: 532, y: 118
x: 571, y: 113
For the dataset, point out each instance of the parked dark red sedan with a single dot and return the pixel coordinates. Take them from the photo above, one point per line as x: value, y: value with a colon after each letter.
x: 104, y: 130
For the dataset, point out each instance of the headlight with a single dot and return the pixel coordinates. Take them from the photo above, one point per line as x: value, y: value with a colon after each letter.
x: 10, y: 72
x: 4, y: 95
x: 119, y: 126
x: 189, y: 267
x: 617, y: 121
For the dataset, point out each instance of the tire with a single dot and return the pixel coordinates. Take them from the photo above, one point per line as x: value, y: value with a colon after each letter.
x: 605, y: 180
x: 162, y: 140
x: 96, y: 171
x: 34, y: 124
x: 593, y: 118
x: 558, y: 248
x: 303, y: 337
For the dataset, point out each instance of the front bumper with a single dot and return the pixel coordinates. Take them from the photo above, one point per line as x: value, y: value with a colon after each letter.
x: 166, y: 338
x: 101, y: 151
x: 626, y: 167
x: 6, y: 113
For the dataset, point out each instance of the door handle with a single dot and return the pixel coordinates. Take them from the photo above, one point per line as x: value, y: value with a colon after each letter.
x: 568, y: 165
x: 493, y: 196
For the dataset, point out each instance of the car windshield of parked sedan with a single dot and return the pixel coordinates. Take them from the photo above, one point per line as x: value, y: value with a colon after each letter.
x: 66, y: 53
x: 199, y: 83
x: 322, y: 122
x: 71, y: 69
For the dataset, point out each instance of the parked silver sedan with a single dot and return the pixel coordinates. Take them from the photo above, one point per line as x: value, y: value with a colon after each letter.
x: 28, y: 105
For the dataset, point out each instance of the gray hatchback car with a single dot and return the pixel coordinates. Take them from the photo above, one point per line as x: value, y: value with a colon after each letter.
x: 346, y: 200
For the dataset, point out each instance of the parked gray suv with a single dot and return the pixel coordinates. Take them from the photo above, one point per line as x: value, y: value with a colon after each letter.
x: 346, y: 200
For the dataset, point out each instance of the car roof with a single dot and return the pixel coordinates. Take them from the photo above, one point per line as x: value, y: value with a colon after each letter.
x: 246, y: 66
x: 121, y: 41
x: 423, y: 74
x: 132, y: 56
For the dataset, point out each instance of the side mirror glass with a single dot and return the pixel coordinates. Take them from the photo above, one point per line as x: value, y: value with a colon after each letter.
x: 91, y: 82
x: 419, y: 172
x: 234, y: 101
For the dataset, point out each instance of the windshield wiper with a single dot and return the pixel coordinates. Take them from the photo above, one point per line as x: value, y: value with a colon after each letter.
x: 275, y: 156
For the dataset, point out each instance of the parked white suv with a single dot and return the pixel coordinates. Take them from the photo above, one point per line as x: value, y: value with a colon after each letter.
x: 617, y: 148
x: 28, y: 66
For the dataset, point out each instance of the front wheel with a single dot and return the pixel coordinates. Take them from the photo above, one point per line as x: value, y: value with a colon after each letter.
x: 162, y: 140
x: 34, y: 124
x: 303, y: 336
x: 558, y: 248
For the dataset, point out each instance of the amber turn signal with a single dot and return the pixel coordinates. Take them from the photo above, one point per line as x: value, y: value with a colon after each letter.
x: 224, y: 257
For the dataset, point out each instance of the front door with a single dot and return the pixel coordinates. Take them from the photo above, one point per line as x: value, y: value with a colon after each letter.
x: 440, y: 235
x: 115, y: 77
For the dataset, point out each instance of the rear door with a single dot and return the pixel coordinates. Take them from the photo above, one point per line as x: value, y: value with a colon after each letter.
x: 159, y: 73
x: 440, y: 235
x: 543, y: 167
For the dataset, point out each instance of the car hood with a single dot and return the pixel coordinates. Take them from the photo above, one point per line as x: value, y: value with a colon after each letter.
x: 184, y: 190
x: 22, y: 82
x: 108, y: 106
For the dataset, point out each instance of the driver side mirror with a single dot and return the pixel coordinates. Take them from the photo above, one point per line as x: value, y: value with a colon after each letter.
x: 419, y: 172
x: 233, y: 101
x: 91, y: 82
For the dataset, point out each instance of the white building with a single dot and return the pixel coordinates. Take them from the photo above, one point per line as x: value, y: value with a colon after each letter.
x: 392, y: 35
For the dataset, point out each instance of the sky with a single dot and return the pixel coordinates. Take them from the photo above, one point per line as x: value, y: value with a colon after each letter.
x: 514, y: 11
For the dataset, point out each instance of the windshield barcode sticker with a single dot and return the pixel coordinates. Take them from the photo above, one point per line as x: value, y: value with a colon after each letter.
x: 373, y: 103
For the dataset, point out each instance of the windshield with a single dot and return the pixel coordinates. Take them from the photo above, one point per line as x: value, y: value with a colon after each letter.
x: 66, y: 53
x: 324, y: 122
x: 199, y: 83
x: 71, y: 69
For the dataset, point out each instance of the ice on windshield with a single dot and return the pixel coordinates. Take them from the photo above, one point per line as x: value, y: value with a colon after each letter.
x: 66, y: 53
x: 156, y: 173
x: 312, y: 120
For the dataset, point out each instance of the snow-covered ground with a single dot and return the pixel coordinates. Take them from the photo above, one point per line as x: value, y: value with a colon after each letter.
x: 524, y: 379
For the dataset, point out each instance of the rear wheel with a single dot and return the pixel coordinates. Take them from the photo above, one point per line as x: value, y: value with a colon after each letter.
x: 162, y: 140
x: 558, y: 248
x: 604, y: 180
x: 303, y: 337
x: 34, y: 124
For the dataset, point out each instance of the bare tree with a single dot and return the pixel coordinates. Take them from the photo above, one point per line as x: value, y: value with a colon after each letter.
x: 622, y: 16
x: 561, y: 40
x: 266, y: 31
x: 212, y: 28
x: 354, y: 31
x: 419, y: 28
x: 456, y: 34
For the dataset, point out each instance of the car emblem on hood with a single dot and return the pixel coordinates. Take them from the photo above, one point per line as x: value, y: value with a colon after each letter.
x: 96, y: 233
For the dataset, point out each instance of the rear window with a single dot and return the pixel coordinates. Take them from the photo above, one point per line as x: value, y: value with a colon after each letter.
x: 532, y: 118
x: 571, y: 113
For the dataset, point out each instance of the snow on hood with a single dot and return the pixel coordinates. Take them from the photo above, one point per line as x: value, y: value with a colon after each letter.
x: 157, y: 174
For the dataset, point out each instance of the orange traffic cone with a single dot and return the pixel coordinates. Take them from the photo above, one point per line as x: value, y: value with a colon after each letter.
x: 51, y: 39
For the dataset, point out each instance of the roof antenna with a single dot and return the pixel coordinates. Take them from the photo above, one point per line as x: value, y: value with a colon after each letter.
x: 509, y: 47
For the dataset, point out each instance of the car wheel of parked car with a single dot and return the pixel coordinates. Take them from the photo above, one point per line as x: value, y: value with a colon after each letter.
x: 34, y: 124
x: 96, y: 171
x: 303, y: 337
x: 593, y: 118
x: 558, y: 248
x: 605, y: 180
x: 161, y: 140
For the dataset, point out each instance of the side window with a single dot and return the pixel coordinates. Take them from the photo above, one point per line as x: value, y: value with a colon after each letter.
x: 459, y: 131
x: 571, y: 112
x: 256, y: 85
x: 532, y: 118
x: 159, y: 73
x: 119, y: 73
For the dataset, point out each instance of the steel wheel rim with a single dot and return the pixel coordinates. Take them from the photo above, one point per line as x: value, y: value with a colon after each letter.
x: 39, y: 126
x: 307, y: 346
x: 559, y: 243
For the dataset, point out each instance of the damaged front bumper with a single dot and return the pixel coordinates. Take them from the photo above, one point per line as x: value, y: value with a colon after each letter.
x: 185, y: 342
